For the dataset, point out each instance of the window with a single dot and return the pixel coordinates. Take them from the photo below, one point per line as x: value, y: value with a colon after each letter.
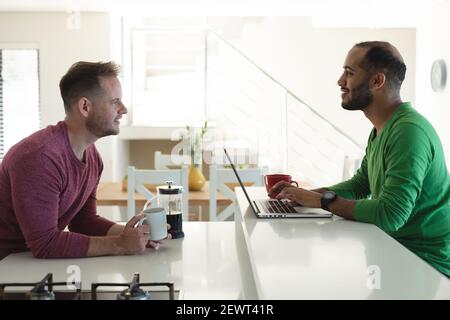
x: 167, y: 72
x: 19, y: 96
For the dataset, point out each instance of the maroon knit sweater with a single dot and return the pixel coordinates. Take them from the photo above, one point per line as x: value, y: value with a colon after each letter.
x: 43, y: 189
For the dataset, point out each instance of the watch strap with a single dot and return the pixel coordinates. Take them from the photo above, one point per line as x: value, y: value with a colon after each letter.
x: 325, y: 201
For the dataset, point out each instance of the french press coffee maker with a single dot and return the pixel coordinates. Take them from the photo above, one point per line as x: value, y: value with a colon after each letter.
x: 170, y: 198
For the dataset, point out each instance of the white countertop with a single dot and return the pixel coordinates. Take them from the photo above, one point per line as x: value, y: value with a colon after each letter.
x: 260, y: 259
x: 204, y: 265
x: 333, y: 258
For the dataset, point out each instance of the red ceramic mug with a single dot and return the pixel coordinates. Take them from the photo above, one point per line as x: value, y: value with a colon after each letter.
x: 271, y: 179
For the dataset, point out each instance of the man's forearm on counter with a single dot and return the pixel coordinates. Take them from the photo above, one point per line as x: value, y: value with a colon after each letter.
x: 115, y: 230
x: 102, y: 246
x: 343, y: 208
x: 320, y: 190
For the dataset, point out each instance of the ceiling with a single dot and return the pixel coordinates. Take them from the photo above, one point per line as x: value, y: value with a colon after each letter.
x: 324, y: 13
x: 225, y: 7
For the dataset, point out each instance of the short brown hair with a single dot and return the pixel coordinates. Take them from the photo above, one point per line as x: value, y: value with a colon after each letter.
x: 83, y: 79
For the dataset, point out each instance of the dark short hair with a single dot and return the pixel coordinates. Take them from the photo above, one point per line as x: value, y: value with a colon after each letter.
x: 83, y: 79
x: 381, y: 56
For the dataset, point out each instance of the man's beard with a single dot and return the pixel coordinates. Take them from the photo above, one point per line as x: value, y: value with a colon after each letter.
x: 361, y: 98
x: 100, y: 127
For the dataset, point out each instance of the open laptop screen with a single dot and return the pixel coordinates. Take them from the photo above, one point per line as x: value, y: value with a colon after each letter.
x: 240, y: 182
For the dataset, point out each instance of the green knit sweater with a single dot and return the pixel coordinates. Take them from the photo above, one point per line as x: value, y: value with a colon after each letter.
x: 403, y: 186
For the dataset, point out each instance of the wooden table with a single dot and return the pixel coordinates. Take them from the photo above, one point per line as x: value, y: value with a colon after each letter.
x: 111, y: 194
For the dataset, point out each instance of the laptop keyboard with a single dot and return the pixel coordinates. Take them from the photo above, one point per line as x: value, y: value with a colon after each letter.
x: 277, y: 206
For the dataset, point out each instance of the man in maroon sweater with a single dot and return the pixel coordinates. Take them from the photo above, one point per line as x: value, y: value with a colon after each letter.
x: 48, y: 180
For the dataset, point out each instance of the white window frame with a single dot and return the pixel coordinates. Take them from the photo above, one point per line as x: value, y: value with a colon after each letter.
x: 20, y: 46
x: 129, y: 90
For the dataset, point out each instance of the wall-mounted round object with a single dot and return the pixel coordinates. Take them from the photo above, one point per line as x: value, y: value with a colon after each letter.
x: 438, y: 75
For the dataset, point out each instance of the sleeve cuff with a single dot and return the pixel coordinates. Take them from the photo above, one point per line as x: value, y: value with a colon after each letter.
x: 102, y: 226
x: 336, y: 190
x: 365, y: 211
x: 84, y: 246
x: 95, y: 226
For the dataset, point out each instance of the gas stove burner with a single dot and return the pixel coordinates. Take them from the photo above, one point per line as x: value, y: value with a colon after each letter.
x: 134, y: 292
x: 38, y: 291
x: 137, y: 294
x: 43, y: 290
x: 42, y: 295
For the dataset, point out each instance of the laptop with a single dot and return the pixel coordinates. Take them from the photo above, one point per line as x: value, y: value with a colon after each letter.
x: 273, y: 208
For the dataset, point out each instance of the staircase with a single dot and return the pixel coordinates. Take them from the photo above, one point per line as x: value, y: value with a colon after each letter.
x: 186, y: 74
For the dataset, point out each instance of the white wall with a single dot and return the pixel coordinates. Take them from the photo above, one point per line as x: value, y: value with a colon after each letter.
x: 433, y: 32
x: 309, y: 60
x: 59, y: 47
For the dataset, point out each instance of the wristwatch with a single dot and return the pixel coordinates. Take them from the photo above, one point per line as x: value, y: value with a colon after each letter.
x: 327, y: 198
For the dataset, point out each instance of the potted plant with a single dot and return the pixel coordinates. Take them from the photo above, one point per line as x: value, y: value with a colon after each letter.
x: 194, y: 142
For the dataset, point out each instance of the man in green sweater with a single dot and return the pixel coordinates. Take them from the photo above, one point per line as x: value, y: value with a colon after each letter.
x: 403, y: 185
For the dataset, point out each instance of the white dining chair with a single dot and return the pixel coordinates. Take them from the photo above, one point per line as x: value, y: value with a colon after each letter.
x: 224, y: 180
x: 351, y: 165
x: 138, y: 177
x: 170, y: 161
